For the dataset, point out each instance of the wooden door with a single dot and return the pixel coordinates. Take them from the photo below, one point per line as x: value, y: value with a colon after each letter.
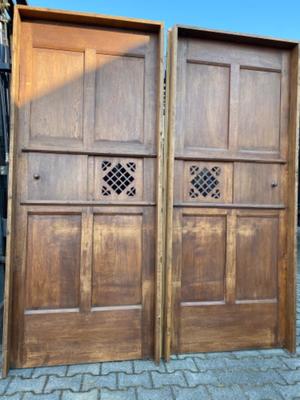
x: 231, y: 192
x: 86, y: 227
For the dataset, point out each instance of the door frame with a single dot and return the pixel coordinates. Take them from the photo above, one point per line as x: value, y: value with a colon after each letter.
x: 291, y: 257
x: 23, y: 13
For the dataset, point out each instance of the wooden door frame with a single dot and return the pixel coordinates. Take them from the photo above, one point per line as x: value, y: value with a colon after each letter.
x: 23, y: 13
x: 291, y: 257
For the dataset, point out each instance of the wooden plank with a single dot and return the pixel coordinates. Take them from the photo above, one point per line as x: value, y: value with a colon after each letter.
x: 86, y: 260
x: 290, y: 340
x: 171, y: 82
x: 160, y: 205
x: 47, y: 14
x: 6, y: 341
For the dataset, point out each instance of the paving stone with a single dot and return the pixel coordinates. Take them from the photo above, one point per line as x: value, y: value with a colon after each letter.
x: 214, y: 363
x: 128, y: 394
x: 22, y: 373
x: 249, y: 377
x: 246, y: 353
x: 42, y: 371
x: 186, y: 364
x: 141, y: 365
x: 269, y: 363
x: 201, y: 378
x: 91, y: 395
x: 225, y: 393
x: 51, y: 396
x: 198, y: 393
x: 119, y: 366
x: 98, y: 382
x: 163, y: 393
x: 3, y: 384
x: 219, y: 354
x: 249, y: 363
x: 142, y: 379
x: 291, y: 376
x: 193, y: 355
x: 273, y: 352
x: 13, y: 397
x: 267, y: 392
x: 18, y: 384
x: 289, y: 392
x: 93, y: 369
x: 72, y: 383
x: 176, y: 378
x: 292, y: 363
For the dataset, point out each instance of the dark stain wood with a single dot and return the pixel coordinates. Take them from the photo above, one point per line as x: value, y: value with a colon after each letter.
x: 86, y: 271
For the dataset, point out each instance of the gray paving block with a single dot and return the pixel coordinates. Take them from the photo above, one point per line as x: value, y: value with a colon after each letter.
x: 292, y: 363
x: 98, y: 382
x: 148, y: 365
x: 18, y: 384
x: 93, y: 369
x: 163, y: 393
x: 249, y: 377
x: 117, y: 366
x: 246, y: 353
x: 142, y: 379
x: 214, y: 363
x: 22, y: 372
x: 176, y: 378
x: 193, y: 355
x: 51, y: 396
x: 273, y: 352
x: 267, y: 392
x: 128, y: 394
x: 249, y: 363
x: 225, y: 393
x: 269, y: 363
x: 4, y: 383
x: 17, y: 396
x: 289, y: 392
x: 198, y: 393
x: 220, y: 354
x: 201, y: 378
x: 61, y: 370
x: 55, y: 383
x: 185, y: 364
x: 91, y: 395
x: 291, y: 376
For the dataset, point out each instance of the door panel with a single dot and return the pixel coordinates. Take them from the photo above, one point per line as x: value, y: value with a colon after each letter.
x: 259, y: 97
x: 227, y: 200
x: 52, y: 267
x: 202, y: 276
x: 258, y: 183
x: 117, y: 256
x: 256, y: 235
x: 88, y: 194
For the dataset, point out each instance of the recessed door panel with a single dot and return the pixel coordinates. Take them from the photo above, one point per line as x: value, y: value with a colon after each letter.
x: 117, y: 256
x: 53, y: 267
x: 202, y: 276
x: 257, y: 276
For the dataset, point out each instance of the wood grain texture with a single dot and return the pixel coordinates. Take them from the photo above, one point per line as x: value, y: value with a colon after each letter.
x: 93, y: 278
x: 226, y: 287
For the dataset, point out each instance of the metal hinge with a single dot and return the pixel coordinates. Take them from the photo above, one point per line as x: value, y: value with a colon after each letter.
x: 3, y: 169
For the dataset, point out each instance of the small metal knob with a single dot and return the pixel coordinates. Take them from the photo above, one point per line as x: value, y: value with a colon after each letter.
x: 36, y: 176
x: 274, y: 184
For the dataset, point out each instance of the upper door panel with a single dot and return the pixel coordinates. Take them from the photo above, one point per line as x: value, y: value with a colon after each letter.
x: 89, y: 89
x: 234, y: 100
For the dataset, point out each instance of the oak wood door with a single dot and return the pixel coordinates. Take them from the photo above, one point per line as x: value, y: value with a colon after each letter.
x: 87, y: 190
x: 230, y: 174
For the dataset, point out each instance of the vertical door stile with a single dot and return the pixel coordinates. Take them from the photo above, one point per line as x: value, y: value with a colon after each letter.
x: 86, y: 260
x: 160, y: 206
x: 171, y: 87
x: 230, y: 269
x: 89, y: 97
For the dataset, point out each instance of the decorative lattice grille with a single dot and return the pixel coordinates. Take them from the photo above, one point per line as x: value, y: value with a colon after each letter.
x: 205, y: 182
x: 118, y: 178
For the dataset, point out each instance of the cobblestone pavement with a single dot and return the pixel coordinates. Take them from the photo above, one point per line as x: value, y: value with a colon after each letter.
x: 242, y: 375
